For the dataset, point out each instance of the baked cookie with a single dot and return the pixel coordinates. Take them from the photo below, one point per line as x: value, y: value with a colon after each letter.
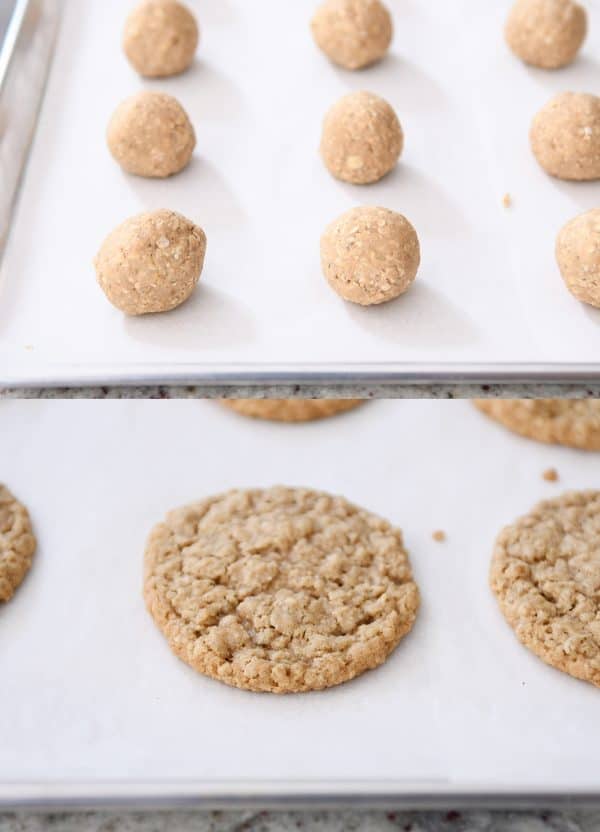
x: 546, y: 576
x: 17, y: 543
x: 291, y: 410
x: 282, y: 590
x: 556, y: 421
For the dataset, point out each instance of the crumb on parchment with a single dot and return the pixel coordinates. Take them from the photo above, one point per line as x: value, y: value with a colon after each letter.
x: 439, y: 536
x: 550, y: 475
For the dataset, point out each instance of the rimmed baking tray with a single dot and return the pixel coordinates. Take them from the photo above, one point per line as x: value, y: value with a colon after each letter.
x: 97, y: 711
x: 488, y: 301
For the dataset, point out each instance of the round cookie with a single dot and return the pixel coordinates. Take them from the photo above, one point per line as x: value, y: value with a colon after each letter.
x: 151, y: 263
x: 546, y: 33
x: 160, y: 38
x: 150, y: 134
x: 546, y: 576
x: 362, y: 139
x: 17, y: 543
x: 565, y: 136
x: 282, y: 590
x: 578, y: 256
x: 370, y: 255
x: 353, y: 33
x: 291, y: 410
x: 575, y: 423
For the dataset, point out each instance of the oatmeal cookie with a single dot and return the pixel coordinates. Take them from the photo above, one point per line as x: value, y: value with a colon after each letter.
x: 282, y: 590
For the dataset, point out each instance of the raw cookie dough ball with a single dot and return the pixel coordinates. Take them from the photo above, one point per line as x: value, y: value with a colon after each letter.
x: 150, y: 134
x: 578, y: 255
x: 565, y: 136
x: 546, y: 33
x: 160, y: 38
x: 370, y: 255
x: 362, y: 138
x: 353, y: 33
x: 151, y: 263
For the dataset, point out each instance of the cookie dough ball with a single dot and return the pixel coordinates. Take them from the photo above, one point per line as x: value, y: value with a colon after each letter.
x: 160, y: 38
x: 546, y: 33
x: 565, y: 136
x: 362, y: 138
x: 353, y: 33
x: 150, y: 134
x: 578, y: 255
x: 151, y: 263
x: 370, y: 255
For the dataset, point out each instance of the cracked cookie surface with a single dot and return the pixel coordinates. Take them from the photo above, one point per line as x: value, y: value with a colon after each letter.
x: 555, y: 421
x: 291, y: 410
x: 282, y: 590
x: 546, y: 576
x: 17, y: 543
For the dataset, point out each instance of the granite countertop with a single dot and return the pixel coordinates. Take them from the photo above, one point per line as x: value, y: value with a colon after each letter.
x: 347, y: 391
x: 323, y: 821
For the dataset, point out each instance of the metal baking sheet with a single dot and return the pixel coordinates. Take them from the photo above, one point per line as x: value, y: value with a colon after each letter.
x: 27, y: 34
x: 488, y: 299
x: 96, y: 709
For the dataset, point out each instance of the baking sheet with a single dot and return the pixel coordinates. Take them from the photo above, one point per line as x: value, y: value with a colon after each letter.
x: 488, y: 292
x: 27, y: 34
x: 95, y: 706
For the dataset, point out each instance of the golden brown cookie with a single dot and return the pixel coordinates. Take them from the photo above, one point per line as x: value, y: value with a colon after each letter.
x: 546, y: 576
x: 17, y: 543
x: 291, y: 410
x: 282, y: 590
x: 556, y: 421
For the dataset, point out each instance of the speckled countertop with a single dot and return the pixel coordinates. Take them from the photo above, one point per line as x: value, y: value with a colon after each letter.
x: 305, y: 821
x: 347, y: 391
